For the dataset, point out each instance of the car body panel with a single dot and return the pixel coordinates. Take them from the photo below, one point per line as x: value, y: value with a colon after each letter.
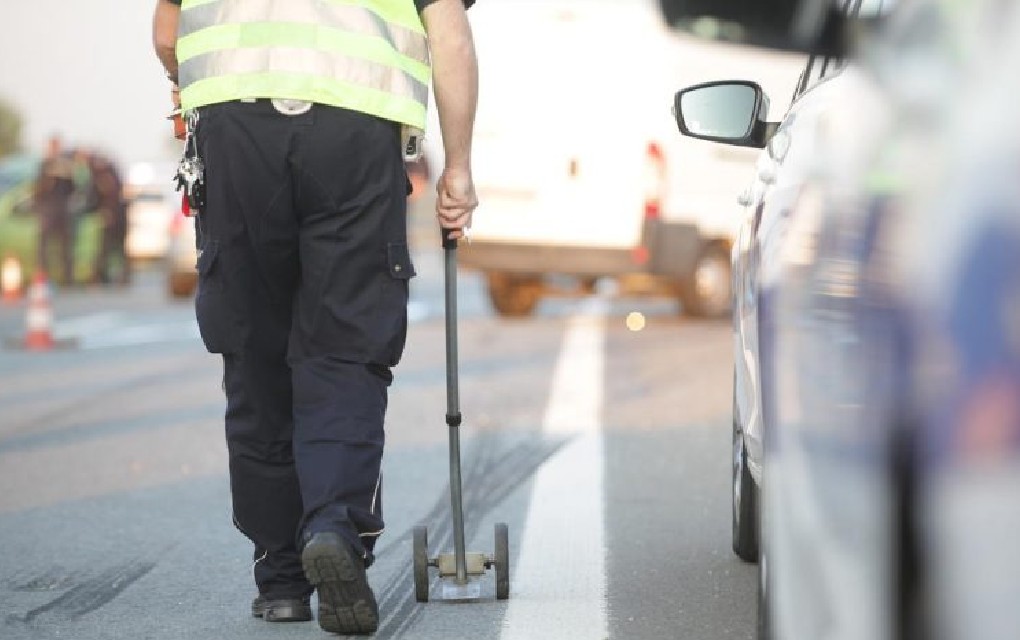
x: 889, y: 326
x: 961, y: 296
x: 830, y: 484
x: 897, y: 430
x: 782, y: 180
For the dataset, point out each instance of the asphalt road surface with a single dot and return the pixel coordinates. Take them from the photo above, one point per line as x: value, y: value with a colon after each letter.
x: 605, y: 450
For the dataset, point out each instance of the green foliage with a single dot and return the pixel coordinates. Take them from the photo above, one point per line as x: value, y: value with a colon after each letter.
x: 10, y: 129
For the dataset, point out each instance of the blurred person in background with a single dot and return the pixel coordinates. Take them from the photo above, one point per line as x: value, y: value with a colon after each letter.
x: 54, y: 187
x: 112, y: 255
x: 83, y: 197
x: 304, y: 263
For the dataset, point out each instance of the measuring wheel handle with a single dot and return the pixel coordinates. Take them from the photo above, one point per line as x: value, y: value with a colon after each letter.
x: 502, y: 561
x: 421, y: 564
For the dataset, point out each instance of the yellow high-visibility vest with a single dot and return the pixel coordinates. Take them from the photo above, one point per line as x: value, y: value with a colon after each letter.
x: 366, y: 55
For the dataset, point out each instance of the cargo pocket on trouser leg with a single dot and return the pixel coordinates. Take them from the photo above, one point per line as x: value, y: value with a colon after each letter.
x: 218, y: 319
x: 395, y: 295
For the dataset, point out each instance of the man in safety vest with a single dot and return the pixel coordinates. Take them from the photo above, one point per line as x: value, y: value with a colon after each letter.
x: 298, y: 112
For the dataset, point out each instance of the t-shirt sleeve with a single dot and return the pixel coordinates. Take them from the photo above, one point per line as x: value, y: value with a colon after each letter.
x: 421, y: 4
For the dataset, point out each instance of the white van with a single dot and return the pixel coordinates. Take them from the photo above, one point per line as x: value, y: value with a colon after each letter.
x: 577, y: 163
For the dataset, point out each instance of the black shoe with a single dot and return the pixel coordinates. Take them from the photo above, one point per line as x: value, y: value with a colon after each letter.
x: 346, y: 602
x: 282, y: 609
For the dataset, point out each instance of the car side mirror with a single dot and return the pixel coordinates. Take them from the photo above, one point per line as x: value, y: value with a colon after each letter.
x: 730, y: 111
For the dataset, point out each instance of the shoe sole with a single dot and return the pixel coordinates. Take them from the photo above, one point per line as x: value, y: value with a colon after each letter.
x: 346, y: 602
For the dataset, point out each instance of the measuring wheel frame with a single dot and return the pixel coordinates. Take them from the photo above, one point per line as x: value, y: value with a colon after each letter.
x: 421, y: 563
x: 458, y: 571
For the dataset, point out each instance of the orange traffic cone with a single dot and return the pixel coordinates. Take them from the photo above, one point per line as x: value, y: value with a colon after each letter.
x: 10, y: 279
x: 39, y: 318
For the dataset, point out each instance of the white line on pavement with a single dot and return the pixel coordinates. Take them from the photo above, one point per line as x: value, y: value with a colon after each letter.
x: 111, y: 329
x: 142, y: 334
x: 558, y: 588
x: 88, y: 323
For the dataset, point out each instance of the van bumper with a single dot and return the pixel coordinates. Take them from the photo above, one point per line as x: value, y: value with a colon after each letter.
x: 550, y: 259
x: 667, y: 249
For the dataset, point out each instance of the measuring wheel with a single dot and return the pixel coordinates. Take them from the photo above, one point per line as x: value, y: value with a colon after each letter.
x: 502, y: 561
x: 421, y: 564
x: 458, y: 571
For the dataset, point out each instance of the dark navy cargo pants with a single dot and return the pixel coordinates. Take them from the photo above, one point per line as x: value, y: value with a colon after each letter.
x: 303, y: 288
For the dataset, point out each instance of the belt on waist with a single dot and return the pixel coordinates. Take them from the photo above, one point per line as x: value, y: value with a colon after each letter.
x: 286, y: 106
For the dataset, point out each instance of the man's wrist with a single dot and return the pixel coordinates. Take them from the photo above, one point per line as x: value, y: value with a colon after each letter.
x: 456, y: 164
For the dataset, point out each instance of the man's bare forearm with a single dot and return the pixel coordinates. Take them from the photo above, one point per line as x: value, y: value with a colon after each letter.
x: 164, y: 35
x: 454, y: 77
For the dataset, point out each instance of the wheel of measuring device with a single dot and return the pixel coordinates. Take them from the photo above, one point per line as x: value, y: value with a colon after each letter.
x: 502, y: 561
x: 421, y: 564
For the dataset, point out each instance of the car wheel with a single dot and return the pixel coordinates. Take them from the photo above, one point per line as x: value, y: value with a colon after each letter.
x: 707, y: 292
x: 745, y: 496
x: 182, y: 285
x: 514, y: 296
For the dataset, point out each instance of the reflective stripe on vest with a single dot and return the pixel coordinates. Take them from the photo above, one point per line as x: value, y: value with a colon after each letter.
x: 367, y: 55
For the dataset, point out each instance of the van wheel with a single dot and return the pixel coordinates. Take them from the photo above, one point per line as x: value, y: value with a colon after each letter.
x: 708, y: 291
x: 514, y: 296
x: 182, y: 285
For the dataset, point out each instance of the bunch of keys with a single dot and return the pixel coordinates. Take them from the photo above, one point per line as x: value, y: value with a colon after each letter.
x: 191, y: 178
x: 191, y: 171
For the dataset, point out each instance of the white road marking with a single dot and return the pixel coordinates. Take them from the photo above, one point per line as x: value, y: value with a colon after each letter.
x: 77, y: 326
x: 119, y: 329
x: 142, y: 334
x: 112, y: 329
x: 558, y: 587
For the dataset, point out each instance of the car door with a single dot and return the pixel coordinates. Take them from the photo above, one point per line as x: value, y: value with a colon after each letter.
x: 828, y: 499
x: 783, y: 169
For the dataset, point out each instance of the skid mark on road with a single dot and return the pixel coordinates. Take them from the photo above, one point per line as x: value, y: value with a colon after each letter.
x: 87, y: 596
x: 95, y: 395
x: 490, y: 476
x: 53, y: 579
x: 88, y: 431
